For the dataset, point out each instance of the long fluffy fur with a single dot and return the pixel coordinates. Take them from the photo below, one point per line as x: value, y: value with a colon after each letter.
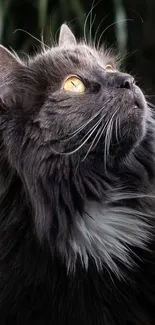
x: 76, y: 224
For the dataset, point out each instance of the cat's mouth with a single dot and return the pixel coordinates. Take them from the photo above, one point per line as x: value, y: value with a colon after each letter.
x: 139, y: 99
x: 137, y: 105
x: 133, y: 108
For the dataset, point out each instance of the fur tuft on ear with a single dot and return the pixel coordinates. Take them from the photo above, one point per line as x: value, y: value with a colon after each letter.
x: 66, y: 37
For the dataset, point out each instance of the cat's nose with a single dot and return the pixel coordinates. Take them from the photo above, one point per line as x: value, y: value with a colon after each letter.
x: 126, y: 81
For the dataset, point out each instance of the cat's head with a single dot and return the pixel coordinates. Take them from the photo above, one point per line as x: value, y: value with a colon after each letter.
x: 73, y: 99
x: 67, y: 116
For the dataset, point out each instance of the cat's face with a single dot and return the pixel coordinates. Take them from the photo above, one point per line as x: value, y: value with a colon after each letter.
x: 91, y: 107
x: 72, y: 99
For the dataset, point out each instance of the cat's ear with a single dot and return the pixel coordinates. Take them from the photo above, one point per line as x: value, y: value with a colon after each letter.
x: 9, y: 67
x: 8, y: 61
x: 66, y: 37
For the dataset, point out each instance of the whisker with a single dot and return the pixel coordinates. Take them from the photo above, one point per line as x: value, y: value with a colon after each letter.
x: 141, y: 19
x: 37, y: 39
x: 84, y: 125
x: 119, y: 127
x: 75, y: 150
x: 107, y: 142
x: 116, y: 129
x: 89, y: 133
x: 90, y: 120
x: 100, y: 130
x: 91, y: 23
x: 116, y: 22
x: 95, y: 36
x: 94, y: 127
x: 108, y: 137
x: 74, y: 133
x: 91, y: 146
x: 150, y: 104
x: 101, y: 134
x: 86, y: 20
x: 42, y: 40
x: 90, y: 34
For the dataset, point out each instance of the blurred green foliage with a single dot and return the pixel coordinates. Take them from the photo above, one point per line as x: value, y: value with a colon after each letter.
x: 42, y: 18
x: 128, y: 25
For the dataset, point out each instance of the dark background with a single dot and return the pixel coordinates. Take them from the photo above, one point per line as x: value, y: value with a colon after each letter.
x: 128, y: 25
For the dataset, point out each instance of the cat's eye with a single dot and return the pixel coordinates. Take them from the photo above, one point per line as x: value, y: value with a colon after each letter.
x: 109, y: 68
x: 74, y: 84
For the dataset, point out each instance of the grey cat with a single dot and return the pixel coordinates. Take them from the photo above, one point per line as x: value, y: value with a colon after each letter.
x: 77, y: 171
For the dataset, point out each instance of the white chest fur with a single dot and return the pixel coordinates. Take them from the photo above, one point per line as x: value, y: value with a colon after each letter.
x: 106, y: 234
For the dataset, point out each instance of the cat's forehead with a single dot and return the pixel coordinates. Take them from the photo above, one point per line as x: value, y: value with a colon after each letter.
x: 83, y: 60
x: 83, y: 55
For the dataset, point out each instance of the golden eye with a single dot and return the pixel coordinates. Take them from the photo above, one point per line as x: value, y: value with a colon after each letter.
x: 109, y: 68
x: 74, y: 84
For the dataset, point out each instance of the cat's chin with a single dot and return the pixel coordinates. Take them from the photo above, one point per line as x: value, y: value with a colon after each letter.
x: 128, y: 128
x: 132, y: 128
x: 129, y: 142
